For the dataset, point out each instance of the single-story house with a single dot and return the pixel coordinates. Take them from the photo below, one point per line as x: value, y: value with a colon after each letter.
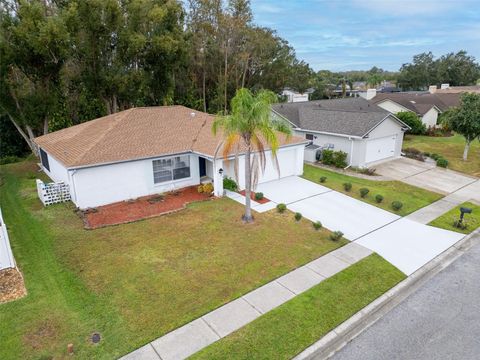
x: 366, y: 132
x: 427, y: 106
x: 145, y: 151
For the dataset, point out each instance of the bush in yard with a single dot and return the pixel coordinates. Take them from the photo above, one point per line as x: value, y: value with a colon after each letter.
x: 412, y: 120
x: 460, y: 225
x: 229, y: 184
x: 317, y: 225
x: 9, y: 160
x: 364, y: 192
x: 442, y: 162
x: 258, y: 196
x: 208, y: 188
x: 327, y: 157
x: 281, y: 208
x: 323, y: 179
x: 298, y: 216
x: 340, y: 159
x: 378, y: 198
x: 435, y: 156
x: 347, y: 186
x: 397, y: 205
x: 426, y: 153
x: 200, y: 188
x: 336, y: 235
x: 414, y: 153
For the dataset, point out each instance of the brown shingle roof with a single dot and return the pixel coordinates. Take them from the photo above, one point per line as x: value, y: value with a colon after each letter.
x: 135, y: 134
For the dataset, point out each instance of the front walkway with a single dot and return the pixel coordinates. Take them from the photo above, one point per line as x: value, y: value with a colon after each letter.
x: 194, y: 336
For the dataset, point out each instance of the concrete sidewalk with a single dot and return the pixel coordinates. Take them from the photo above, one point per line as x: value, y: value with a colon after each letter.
x: 194, y: 336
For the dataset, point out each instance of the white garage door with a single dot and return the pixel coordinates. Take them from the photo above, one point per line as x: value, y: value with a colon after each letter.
x: 287, y: 160
x: 379, y: 149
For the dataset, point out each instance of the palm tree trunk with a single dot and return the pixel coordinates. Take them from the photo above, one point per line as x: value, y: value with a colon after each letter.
x: 248, y: 187
x: 465, y: 150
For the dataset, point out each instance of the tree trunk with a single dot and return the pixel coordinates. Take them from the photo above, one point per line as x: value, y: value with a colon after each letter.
x: 25, y: 137
x: 45, y: 126
x: 203, y: 90
x: 225, y: 76
x: 465, y: 151
x: 248, y: 218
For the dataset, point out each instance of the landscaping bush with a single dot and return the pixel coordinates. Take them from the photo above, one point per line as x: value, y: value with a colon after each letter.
x: 347, y: 186
x: 298, y: 216
x: 364, y: 192
x: 442, y: 162
x: 426, y: 153
x: 397, y: 205
x: 9, y: 160
x: 378, y: 198
x: 367, y: 171
x: 460, y: 225
x: 435, y: 156
x: 200, y: 188
x: 323, y: 179
x: 317, y: 225
x: 281, y: 208
x: 412, y: 120
x: 340, y: 159
x: 208, y: 188
x: 336, y: 235
x: 327, y: 157
x: 414, y: 153
x: 229, y: 184
x: 258, y: 196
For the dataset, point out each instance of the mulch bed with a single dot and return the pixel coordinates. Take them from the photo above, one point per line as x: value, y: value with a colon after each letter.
x: 12, y: 286
x: 142, y: 208
x: 252, y: 196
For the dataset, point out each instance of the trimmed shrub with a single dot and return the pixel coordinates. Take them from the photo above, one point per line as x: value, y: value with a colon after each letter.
x: 442, y: 162
x: 229, y: 184
x: 378, y: 198
x: 347, y: 186
x: 327, y: 157
x: 323, y: 179
x: 281, y: 208
x: 208, y: 188
x: 412, y: 120
x: 364, y: 192
x: 435, y: 156
x: 414, y: 153
x: 426, y: 153
x: 298, y: 216
x: 258, y: 196
x: 200, y: 188
x: 340, y: 159
x: 336, y: 235
x: 317, y: 225
x: 397, y: 205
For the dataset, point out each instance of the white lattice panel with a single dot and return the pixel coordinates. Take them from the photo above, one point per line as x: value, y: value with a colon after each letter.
x: 53, y: 193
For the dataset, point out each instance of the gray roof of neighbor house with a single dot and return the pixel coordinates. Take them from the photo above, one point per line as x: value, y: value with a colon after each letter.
x: 347, y: 116
x: 420, y: 103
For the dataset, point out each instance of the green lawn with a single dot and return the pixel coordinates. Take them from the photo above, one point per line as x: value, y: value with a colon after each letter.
x: 287, y: 330
x: 412, y: 197
x: 135, y: 282
x: 450, y: 148
x: 446, y: 220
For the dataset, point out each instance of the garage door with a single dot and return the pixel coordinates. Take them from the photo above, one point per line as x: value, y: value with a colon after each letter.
x: 379, y: 149
x: 287, y: 160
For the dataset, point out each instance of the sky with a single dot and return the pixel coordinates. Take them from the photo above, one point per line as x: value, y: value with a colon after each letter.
x: 343, y: 35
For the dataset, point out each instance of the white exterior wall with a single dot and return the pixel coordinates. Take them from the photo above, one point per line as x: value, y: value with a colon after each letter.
x: 430, y: 118
x: 290, y: 160
x: 392, y: 107
x: 339, y: 143
x: 57, y: 172
x: 101, y: 185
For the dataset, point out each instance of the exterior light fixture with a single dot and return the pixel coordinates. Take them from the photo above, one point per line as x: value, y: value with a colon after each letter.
x: 220, y: 171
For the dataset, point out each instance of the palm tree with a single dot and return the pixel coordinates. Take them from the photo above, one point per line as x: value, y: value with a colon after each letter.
x: 249, y: 128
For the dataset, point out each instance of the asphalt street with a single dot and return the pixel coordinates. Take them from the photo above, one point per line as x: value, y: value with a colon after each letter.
x: 441, y: 320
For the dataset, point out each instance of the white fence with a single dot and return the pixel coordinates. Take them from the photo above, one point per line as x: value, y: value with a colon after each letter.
x: 6, y: 255
x: 52, y: 193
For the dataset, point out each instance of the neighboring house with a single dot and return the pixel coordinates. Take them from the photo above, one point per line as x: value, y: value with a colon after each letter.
x: 366, y: 132
x: 427, y: 106
x: 295, y: 96
x: 447, y: 89
x: 144, y: 151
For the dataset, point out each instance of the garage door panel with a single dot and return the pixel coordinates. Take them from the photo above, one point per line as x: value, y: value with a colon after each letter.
x: 379, y: 149
x: 287, y: 165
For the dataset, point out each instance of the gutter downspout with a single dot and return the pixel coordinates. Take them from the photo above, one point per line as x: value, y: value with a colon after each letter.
x: 351, y: 153
x: 74, y: 171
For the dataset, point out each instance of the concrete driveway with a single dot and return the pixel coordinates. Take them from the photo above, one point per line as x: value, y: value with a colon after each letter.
x: 427, y: 176
x: 405, y: 243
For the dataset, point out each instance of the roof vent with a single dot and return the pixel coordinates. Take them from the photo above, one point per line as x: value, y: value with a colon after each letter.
x: 192, y: 114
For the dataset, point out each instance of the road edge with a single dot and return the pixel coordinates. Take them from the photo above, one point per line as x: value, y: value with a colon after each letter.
x: 337, y: 338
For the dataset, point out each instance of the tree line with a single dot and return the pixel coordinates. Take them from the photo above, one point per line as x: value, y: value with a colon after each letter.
x: 63, y: 62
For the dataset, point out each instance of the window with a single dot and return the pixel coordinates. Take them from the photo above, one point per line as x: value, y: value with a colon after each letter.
x: 172, y: 168
x: 309, y: 136
x: 44, y: 159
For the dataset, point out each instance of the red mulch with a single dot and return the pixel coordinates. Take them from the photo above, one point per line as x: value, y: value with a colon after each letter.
x: 141, y: 208
x: 252, y: 196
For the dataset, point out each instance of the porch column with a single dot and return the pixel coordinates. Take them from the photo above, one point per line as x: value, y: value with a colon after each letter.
x: 217, y: 177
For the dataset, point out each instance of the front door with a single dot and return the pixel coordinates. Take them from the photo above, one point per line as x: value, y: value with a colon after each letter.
x: 202, y: 165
